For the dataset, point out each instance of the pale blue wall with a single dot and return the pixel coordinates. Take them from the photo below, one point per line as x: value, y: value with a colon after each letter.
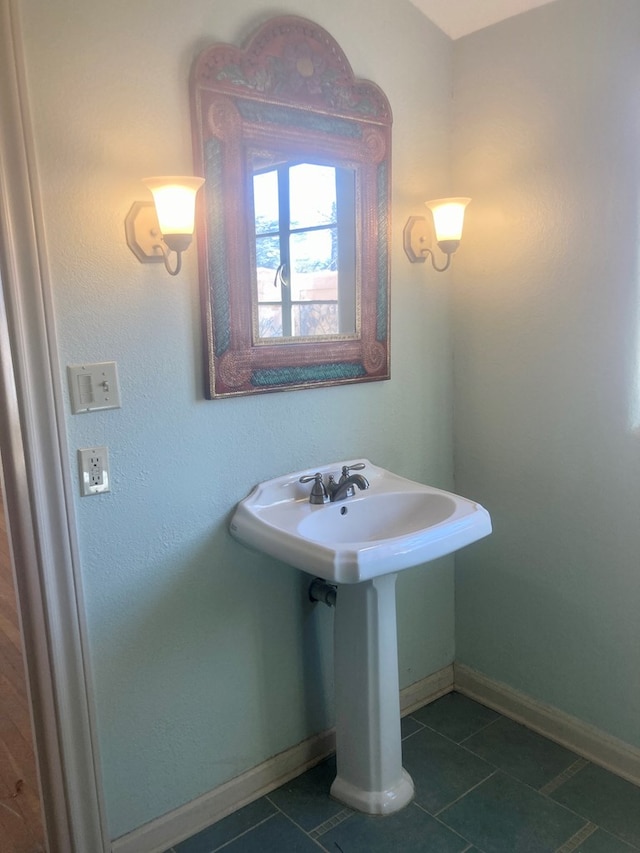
x: 546, y: 140
x: 207, y: 659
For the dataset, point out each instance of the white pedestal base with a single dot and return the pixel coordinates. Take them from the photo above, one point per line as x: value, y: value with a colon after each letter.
x: 370, y: 775
x: 374, y: 802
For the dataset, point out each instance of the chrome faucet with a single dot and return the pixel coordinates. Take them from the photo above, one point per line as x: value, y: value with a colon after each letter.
x: 332, y: 491
x: 344, y: 488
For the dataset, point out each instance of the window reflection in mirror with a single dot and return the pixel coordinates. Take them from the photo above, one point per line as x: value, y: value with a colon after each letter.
x: 305, y: 249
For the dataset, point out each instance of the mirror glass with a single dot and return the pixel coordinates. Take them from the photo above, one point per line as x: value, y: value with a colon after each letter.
x: 304, y: 222
x: 293, y: 220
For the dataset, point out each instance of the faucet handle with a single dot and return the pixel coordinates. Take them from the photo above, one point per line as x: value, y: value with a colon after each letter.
x: 346, y: 468
x: 319, y: 494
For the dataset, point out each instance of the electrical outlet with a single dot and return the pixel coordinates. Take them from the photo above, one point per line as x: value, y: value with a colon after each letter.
x: 93, y: 465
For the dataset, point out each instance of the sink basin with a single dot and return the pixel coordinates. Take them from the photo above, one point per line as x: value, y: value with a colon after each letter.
x: 394, y: 524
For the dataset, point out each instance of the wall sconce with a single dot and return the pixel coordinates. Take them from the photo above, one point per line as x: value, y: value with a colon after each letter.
x: 166, y: 224
x: 448, y: 218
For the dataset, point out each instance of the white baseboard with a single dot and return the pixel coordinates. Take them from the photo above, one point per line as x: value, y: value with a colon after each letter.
x: 592, y: 743
x: 426, y: 690
x: 161, y: 834
x: 181, y: 823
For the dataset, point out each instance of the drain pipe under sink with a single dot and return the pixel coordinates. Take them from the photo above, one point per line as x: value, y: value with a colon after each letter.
x: 320, y: 590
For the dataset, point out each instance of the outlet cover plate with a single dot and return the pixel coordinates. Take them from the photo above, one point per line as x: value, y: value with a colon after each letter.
x: 93, y: 467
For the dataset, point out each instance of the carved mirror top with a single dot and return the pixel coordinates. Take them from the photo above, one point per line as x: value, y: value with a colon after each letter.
x: 276, y: 316
x: 292, y: 61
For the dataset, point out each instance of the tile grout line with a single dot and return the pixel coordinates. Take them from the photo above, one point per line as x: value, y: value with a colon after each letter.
x: 457, y: 799
x: 452, y: 740
x: 332, y: 822
x: 563, y: 777
x: 470, y: 844
x: 581, y: 835
x: 249, y: 829
x: 296, y: 824
x: 481, y: 729
x: 417, y: 731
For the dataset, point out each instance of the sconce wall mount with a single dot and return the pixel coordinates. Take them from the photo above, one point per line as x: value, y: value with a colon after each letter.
x: 143, y: 232
x: 416, y: 237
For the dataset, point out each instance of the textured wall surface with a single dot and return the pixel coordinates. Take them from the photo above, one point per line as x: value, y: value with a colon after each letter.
x: 207, y: 658
x: 546, y: 140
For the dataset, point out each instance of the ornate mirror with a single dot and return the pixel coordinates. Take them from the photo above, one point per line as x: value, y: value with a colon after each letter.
x: 293, y: 228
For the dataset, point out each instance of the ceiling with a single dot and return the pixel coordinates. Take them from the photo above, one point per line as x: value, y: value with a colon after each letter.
x: 460, y: 17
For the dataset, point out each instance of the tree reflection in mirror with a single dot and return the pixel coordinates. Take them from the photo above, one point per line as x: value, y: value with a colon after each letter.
x: 304, y: 217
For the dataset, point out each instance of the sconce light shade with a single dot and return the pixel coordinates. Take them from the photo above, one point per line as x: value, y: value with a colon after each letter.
x: 448, y: 219
x: 166, y: 225
x: 175, y: 201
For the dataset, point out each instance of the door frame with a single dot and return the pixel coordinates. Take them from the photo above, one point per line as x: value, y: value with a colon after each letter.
x: 37, y: 486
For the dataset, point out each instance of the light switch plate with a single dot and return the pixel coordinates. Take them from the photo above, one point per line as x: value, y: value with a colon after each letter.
x: 93, y: 386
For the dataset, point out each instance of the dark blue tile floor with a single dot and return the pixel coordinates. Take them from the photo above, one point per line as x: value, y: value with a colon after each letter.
x: 484, y: 784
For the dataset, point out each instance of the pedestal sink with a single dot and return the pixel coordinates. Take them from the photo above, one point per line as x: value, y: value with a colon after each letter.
x: 360, y: 544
